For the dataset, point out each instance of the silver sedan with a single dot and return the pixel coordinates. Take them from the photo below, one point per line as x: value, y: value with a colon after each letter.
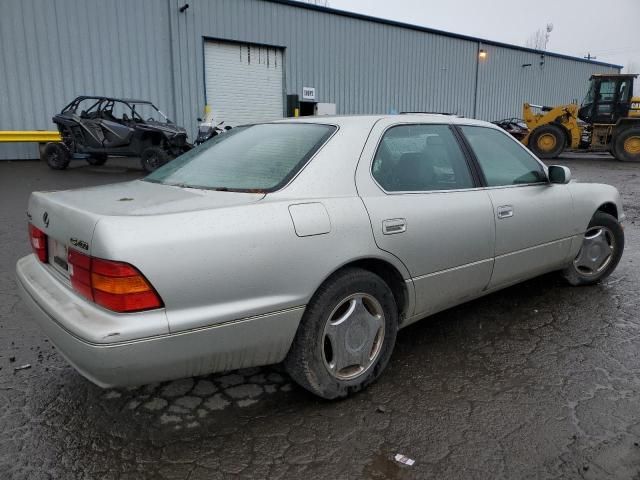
x: 309, y: 241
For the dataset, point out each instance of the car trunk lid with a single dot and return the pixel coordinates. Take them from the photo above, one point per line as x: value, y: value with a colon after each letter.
x: 69, y: 217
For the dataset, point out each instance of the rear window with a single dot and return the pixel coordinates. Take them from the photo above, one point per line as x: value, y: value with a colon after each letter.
x: 250, y: 158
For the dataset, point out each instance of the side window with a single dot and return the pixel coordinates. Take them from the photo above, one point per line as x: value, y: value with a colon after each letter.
x: 414, y: 158
x: 502, y: 159
x: 607, y: 90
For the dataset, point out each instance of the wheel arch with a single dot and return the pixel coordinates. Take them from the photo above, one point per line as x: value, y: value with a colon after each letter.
x: 149, y: 138
x: 610, y: 208
x: 390, y: 274
x: 624, y: 123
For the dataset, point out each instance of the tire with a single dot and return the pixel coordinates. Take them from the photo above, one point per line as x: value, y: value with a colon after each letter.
x: 547, y: 141
x: 56, y: 155
x: 153, y: 158
x: 97, y: 159
x: 368, y: 316
x: 626, y: 146
x: 603, y: 230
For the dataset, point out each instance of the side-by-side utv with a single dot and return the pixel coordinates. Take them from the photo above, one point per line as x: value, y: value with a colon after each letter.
x: 94, y: 127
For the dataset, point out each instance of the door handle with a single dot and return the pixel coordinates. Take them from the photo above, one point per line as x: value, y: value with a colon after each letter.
x: 505, y: 211
x: 394, y: 225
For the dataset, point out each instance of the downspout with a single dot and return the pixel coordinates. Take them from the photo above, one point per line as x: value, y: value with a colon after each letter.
x: 172, y: 64
x: 475, y: 94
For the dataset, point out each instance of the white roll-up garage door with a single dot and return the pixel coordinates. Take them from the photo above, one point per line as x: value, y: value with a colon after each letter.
x: 244, y: 83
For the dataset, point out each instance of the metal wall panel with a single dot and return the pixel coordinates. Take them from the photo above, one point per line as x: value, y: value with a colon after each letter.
x: 55, y: 50
x: 508, y: 77
x: 361, y: 66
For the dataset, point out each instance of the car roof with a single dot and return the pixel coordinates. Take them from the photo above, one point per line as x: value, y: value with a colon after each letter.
x: 346, y: 120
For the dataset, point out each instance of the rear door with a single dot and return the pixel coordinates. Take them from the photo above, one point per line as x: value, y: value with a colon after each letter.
x: 425, y: 209
x: 531, y: 215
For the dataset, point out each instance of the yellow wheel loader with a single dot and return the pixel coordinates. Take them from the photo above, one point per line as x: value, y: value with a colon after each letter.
x: 607, y: 120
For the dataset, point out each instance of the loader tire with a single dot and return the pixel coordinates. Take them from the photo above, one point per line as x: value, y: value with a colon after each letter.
x: 547, y: 141
x: 626, y: 146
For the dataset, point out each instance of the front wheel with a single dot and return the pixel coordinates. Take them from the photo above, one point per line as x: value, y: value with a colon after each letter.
x: 547, y: 141
x: 153, y: 158
x: 602, y: 247
x: 346, y: 336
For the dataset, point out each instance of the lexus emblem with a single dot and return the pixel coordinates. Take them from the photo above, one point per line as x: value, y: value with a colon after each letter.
x: 45, y: 219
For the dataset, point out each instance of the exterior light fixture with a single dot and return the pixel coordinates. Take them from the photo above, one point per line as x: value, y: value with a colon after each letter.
x: 482, y: 54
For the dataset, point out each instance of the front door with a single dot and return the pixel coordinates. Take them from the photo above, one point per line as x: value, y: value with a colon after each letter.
x: 531, y: 215
x: 425, y: 208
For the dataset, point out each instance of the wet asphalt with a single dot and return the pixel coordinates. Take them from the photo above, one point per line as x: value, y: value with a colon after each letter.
x: 541, y: 380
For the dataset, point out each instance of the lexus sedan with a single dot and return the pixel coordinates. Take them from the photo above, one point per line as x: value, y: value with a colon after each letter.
x: 308, y: 242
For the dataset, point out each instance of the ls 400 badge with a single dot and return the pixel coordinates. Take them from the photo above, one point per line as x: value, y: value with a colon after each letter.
x: 79, y: 243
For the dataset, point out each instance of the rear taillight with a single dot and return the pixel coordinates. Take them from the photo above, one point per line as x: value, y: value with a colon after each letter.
x: 38, y: 241
x: 117, y: 286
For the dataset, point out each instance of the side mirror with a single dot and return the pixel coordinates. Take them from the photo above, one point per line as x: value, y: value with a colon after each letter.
x: 199, y: 119
x: 559, y: 174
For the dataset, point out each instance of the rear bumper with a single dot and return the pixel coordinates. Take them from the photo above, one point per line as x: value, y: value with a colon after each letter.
x: 247, y: 342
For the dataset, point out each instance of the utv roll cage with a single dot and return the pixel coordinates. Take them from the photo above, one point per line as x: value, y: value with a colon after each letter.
x: 105, y: 104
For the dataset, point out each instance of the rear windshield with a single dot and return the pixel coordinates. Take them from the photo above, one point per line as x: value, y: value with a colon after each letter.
x: 252, y: 158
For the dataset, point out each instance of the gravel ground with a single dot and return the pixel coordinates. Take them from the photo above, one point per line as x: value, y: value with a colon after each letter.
x: 541, y: 380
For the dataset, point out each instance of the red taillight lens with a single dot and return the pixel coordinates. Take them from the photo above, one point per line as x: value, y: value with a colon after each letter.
x: 118, y: 286
x: 38, y: 241
x: 80, y: 273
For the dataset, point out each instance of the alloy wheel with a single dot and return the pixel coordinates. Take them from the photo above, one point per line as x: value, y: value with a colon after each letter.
x: 596, y: 252
x: 353, y: 336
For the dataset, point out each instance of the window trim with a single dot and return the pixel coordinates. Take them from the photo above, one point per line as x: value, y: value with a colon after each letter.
x: 477, y: 181
x: 477, y: 165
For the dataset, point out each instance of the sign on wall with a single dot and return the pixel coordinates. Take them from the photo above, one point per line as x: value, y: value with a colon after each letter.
x: 308, y: 93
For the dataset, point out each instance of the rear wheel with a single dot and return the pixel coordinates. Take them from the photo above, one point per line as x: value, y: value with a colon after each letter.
x: 601, y: 249
x: 346, y: 335
x: 627, y: 145
x: 547, y: 141
x: 56, y: 155
x: 97, y: 159
x: 153, y: 158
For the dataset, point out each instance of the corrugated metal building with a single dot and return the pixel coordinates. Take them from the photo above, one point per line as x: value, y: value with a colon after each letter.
x: 245, y: 56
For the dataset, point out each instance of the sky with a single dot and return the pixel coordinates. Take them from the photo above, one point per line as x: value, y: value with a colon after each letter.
x: 608, y: 30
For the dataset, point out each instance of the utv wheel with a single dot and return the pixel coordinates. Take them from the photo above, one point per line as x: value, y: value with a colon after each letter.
x: 601, y: 249
x: 56, y: 155
x: 627, y: 145
x: 153, y: 158
x: 547, y: 141
x: 346, y: 335
x: 97, y: 159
